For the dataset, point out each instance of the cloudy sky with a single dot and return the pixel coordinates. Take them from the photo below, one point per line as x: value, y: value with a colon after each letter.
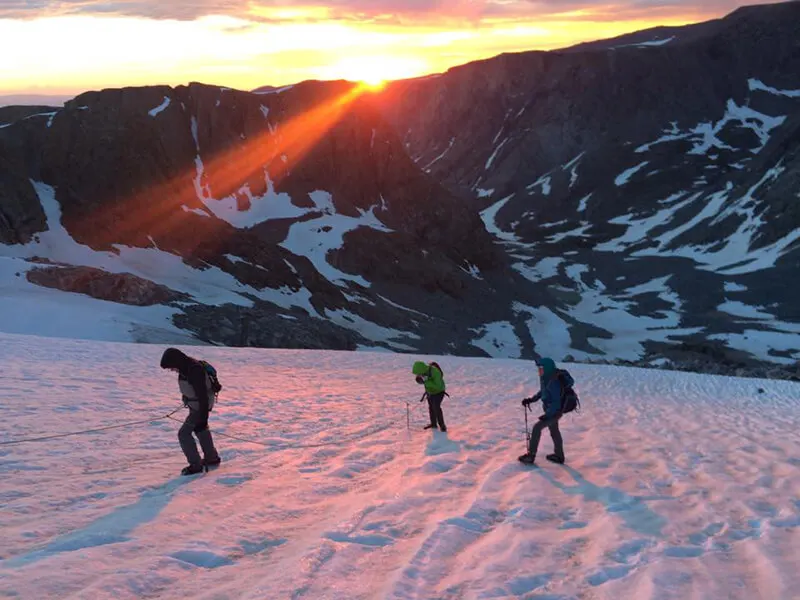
x: 68, y: 46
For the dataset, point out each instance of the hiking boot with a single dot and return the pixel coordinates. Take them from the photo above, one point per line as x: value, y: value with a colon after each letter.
x: 430, y: 427
x: 212, y: 463
x: 555, y: 458
x: 443, y: 429
x: 192, y: 470
x: 527, y: 459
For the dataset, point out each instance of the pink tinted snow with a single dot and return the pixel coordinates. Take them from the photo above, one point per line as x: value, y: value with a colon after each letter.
x: 677, y: 485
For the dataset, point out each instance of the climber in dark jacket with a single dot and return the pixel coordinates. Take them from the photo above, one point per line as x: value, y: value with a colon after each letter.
x: 194, y: 384
x: 550, y: 395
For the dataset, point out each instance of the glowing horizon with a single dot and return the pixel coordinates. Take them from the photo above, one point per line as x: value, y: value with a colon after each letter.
x: 85, y: 45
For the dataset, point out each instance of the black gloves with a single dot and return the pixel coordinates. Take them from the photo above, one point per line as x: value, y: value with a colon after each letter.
x: 535, y: 398
x: 419, y: 379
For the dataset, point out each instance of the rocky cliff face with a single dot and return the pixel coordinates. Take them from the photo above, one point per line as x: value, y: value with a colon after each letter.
x: 304, y: 198
x: 649, y: 183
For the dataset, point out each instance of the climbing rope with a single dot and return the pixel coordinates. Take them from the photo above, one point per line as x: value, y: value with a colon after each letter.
x: 85, y: 431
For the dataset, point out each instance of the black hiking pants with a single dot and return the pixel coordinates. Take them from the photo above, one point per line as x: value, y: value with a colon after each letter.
x: 435, y: 409
x: 193, y: 424
x: 555, y: 433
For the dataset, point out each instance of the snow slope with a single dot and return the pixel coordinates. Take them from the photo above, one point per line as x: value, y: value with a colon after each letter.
x: 27, y: 308
x: 677, y: 486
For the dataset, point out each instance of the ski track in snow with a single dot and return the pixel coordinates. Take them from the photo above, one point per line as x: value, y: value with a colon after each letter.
x: 677, y: 485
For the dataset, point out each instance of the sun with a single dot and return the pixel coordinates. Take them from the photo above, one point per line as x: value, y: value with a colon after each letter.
x: 373, y: 82
x: 374, y: 71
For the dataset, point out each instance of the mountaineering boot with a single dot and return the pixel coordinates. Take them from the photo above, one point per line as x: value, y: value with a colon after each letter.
x: 430, y: 427
x: 192, y: 470
x: 211, y: 463
x: 443, y: 429
x: 527, y: 459
x: 555, y: 458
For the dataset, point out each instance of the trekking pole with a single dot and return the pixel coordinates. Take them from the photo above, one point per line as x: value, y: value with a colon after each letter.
x: 527, y: 435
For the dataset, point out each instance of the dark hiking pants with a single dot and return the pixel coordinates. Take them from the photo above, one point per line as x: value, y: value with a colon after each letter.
x: 435, y: 409
x: 555, y: 433
x: 192, y: 425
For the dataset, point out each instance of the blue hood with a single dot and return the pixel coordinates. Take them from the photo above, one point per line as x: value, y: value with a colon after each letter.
x: 549, y: 367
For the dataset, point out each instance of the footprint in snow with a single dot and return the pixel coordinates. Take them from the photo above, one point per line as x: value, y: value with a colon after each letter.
x: 374, y: 540
x: 202, y: 558
x: 684, y: 552
x: 573, y: 525
x: 607, y: 574
x: 233, y: 480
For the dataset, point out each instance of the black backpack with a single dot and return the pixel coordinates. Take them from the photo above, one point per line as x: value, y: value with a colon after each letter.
x: 569, y: 399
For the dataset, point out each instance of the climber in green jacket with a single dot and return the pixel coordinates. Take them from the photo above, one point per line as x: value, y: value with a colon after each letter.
x: 432, y: 377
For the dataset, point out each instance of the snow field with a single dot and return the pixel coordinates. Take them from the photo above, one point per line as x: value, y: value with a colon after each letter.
x: 677, y: 485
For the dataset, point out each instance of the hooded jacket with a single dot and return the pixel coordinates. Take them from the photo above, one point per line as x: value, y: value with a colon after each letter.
x: 192, y: 379
x: 434, y: 378
x: 550, y: 388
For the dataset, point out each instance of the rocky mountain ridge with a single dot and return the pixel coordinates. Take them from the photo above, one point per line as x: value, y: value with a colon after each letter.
x: 629, y: 200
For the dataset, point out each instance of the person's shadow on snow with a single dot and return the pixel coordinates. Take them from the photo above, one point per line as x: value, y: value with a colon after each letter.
x: 631, y: 509
x: 441, y: 444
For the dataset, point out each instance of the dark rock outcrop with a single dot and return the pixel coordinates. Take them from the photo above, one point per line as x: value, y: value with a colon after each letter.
x: 21, y: 215
x: 122, y: 288
x: 242, y: 327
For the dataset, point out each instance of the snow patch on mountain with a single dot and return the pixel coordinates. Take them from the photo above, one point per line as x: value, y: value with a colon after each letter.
x: 160, y: 108
x: 493, y: 156
x: 210, y: 286
x: 638, y: 228
x: 498, y: 340
x: 315, y: 238
x: 629, y: 331
x: 542, y: 269
x: 581, y: 231
x: 550, y: 332
x: 572, y: 167
x: 442, y: 155
x: 648, y: 44
x: 543, y: 183
x: 737, y: 255
x: 368, y: 329
x: 624, y: 177
x: 489, y: 217
x: 31, y: 309
x: 757, y: 85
